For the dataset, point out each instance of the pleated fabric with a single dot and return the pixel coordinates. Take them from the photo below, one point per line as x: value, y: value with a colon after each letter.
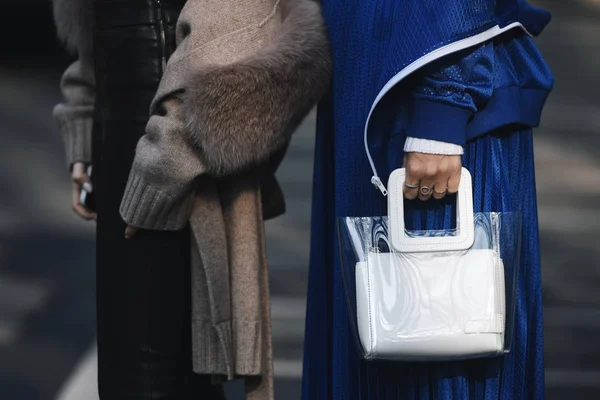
x: 502, y: 167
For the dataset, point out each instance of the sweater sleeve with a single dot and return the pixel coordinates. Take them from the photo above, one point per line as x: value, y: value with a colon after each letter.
x: 449, y: 92
x: 230, y: 96
x: 159, y: 192
x: 168, y: 159
x: 160, y: 189
x: 75, y: 115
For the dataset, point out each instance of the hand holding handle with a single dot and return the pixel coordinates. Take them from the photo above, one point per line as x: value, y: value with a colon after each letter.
x: 401, y: 242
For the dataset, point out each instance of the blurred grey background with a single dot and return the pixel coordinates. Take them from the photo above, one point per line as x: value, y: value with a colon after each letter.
x: 47, y: 309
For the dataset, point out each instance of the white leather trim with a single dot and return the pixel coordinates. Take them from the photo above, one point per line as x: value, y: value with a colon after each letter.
x: 494, y: 325
x: 363, y: 308
x: 421, y: 62
x: 403, y: 243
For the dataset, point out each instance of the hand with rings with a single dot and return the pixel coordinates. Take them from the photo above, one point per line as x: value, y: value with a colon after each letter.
x: 431, y: 175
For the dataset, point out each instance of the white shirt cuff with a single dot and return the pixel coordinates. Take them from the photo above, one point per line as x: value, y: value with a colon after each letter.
x: 427, y: 146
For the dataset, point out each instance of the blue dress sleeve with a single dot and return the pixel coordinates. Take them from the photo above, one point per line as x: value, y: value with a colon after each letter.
x: 447, y: 93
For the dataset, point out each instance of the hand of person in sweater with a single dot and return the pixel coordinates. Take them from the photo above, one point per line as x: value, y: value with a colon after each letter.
x: 130, y: 231
x: 438, y: 172
x: 80, y: 179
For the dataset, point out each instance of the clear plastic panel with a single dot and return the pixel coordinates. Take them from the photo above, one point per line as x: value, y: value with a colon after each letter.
x: 431, y: 306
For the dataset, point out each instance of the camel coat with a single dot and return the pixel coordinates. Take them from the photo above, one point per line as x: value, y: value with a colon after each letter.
x: 243, y: 76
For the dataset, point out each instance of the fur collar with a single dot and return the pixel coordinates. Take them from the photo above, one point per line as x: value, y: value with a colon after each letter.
x: 241, y: 113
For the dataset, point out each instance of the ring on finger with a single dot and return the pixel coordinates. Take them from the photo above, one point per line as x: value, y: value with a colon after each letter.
x: 425, y: 190
x: 410, y: 186
x: 440, y: 193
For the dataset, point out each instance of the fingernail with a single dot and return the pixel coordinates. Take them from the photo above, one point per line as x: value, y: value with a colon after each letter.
x: 87, y: 187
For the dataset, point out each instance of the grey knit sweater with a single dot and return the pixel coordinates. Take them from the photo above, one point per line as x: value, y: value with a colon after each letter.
x: 75, y: 115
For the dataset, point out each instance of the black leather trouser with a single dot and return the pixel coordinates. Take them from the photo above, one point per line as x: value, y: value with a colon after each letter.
x: 143, y: 284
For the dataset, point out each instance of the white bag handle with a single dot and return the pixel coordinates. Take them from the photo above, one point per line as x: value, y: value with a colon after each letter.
x: 403, y: 243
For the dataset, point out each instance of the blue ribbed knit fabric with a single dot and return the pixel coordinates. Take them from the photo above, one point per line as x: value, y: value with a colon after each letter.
x: 368, y: 48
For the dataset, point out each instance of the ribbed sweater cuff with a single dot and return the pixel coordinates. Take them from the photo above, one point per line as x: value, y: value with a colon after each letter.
x: 77, y: 137
x: 438, y: 121
x: 147, y: 207
x: 428, y: 146
x: 231, y: 349
x: 211, y: 348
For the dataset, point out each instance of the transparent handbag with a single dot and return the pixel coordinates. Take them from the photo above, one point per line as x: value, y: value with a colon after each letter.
x: 431, y: 295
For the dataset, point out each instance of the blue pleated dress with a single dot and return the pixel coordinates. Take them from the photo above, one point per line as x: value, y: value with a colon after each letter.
x: 501, y: 160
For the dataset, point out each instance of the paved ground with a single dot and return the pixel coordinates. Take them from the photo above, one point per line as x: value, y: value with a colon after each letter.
x: 46, y: 254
